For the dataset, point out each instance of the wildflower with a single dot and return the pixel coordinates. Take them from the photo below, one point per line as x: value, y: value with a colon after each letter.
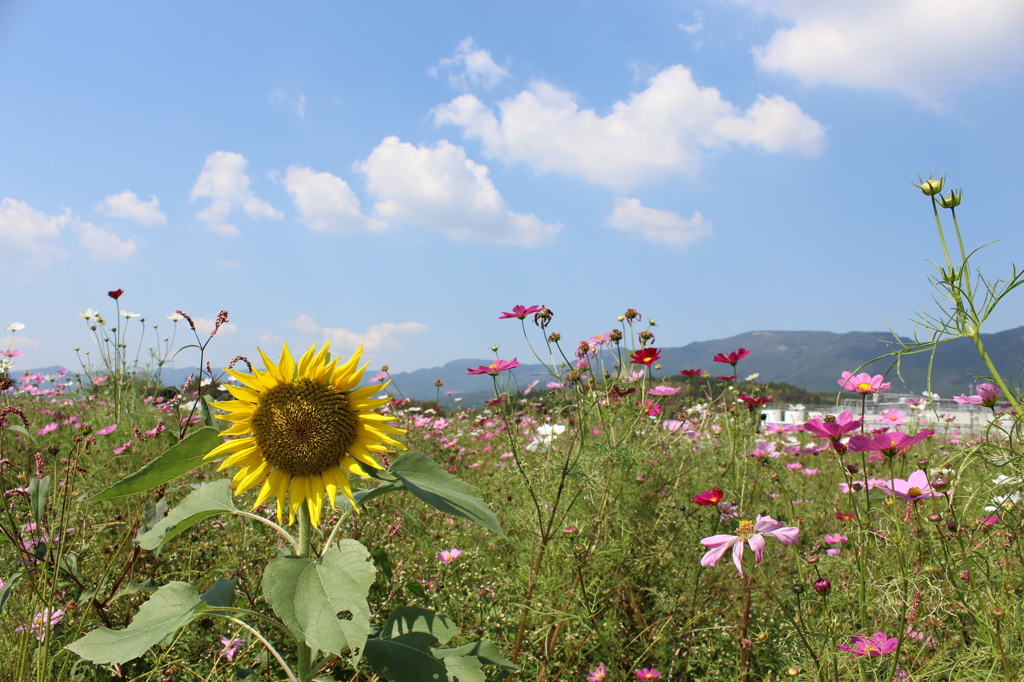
x: 732, y: 358
x: 448, y: 556
x: 175, y: 317
x: 753, y: 403
x: 836, y: 539
x: 115, y: 294
x: 752, y: 377
x: 645, y: 356
x: 520, y: 312
x: 754, y: 534
x: 87, y: 314
x: 708, y: 497
x: 43, y: 621
x: 495, y: 368
x: 648, y: 674
x: 915, y: 488
x: 986, y: 395
x: 690, y: 372
x: 931, y: 186
x: 52, y: 426
x: 542, y: 317
x: 876, y: 645
x: 1005, y: 502
x: 598, y: 674
x: 14, y: 327
x: 546, y: 434
x: 863, y: 383
x: 664, y: 390
x: 892, y: 417
x: 127, y: 315
x: 230, y: 649
x: 107, y: 430
x: 301, y: 428
x: 889, y: 444
x: 988, y: 521
x: 822, y: 585
x: 724, y: 378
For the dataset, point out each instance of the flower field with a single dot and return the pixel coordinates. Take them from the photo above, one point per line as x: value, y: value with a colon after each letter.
x: 287, y: 518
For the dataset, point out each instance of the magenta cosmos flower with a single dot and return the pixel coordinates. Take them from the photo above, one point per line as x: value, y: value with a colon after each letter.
x: 890, y: 444
x: 520, y: 312
x: 495, y: 368
x: 833, y: 428
x: 598, y: 674
x: 754, y: 535
x: 733, y: 357
x: 648, y: 674
x: 645, y: 356
x: 876, y: 645
x: 863, y: 383
x: 986, y: 395
x: 916, y: 487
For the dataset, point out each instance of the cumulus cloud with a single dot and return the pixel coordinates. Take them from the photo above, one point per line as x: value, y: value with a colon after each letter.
x: 224, y: 182
x: 924, y: 49
x: 102, y: 243
x: 438, y: 188
x: 32, y: 233
x: 326, y: 202
x: 664, y: 129
x: 294, y: 103
x: 664, y: 228
x: 127, y: 205
x: 470, y: 66
x: 378, y: 337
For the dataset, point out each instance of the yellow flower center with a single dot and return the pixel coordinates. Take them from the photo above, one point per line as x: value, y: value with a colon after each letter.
x: 914, y: 491
x: 746, y: 529
x: 304, y: 427
x: 493, y: 366
x: 862, y: 386
x: 868, y: 648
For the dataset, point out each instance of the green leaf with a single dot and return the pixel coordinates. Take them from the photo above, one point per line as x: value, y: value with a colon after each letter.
x: 37, y: 491
x: 5, y: 591
x: 205, y: 501
x: 406, y: 619
x: 221, y: 594
x: 207, y: 412
x: 406, y: 658
x: 363, y: 496
x: 309, y: 594
x: 171, y: 607
x: 486, y: 652
x: 425, y: 479
x: 383, y: 561
x: 183, y: 457
x: 18, y: 428
x: 464, y: 669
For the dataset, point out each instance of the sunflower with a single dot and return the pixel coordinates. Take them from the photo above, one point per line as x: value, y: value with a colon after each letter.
x: 301, y: 429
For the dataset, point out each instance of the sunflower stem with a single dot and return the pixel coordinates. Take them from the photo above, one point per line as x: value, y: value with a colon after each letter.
x: 305, y: 545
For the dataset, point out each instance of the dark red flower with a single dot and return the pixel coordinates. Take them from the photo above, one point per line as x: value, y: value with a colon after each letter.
x: 690, y: 372
x: 645, y: 356
x: 496, y: 401
x: 732, y: 358
x: 754, y: 403
x: 115, y: 294
x: 543, y: 316
x: 845, y: 516
x: 726, y: 378
x: 708, y: 497
x: 618, y: 391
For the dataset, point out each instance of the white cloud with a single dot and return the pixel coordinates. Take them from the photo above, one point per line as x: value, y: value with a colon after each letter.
x: 326, y: 202
x: 470, y: 66
x: 377, y: 337
x: 295, y: 103
x: 696, y: 27
x: 127, y: 205
x: 34, y: 234
x: 103, y: 243
x: 205, y: 325
x: 924, y: 49
x: 664, y: 228
x: 664, y: 129
x: 439, y: 189
x: 223, y: 180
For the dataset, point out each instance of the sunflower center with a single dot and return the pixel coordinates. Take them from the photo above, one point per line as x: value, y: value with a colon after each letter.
x: 304, y: 427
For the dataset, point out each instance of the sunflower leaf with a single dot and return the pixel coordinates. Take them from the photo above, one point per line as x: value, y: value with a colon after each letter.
x: 183, y: 457
x: 37, y: 491
x: 171, y: 607
x: 308, y: 594
x: 207, y: 500
x: 425, y: 479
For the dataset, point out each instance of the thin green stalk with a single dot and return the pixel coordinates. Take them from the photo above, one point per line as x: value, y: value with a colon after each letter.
x: 305, y: 547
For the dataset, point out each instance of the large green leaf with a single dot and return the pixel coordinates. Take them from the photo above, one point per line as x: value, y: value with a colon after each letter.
x: 205, y: 501
x: 183, y: 457
x: 5, y: 591
x: 171, y: 607
x: 406, y: 658
x: 483, y: 651
x: 425, y: 479
x: 37, y: 491
x: 309, y: 594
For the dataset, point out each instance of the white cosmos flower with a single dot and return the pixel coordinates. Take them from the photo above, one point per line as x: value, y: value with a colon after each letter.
x: 14, y: 327
x: 87, y: 314
x: 175, y: 317
x: 1005, y: 502
x: 546, y: 433
x: 127, y: 315
x: 753, y: 376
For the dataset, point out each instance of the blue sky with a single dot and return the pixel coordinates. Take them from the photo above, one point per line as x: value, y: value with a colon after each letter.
x: 400, y: 173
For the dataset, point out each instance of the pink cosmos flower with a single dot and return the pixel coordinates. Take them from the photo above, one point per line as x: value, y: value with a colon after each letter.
x: 520, y: 312
x: 988, y: 521
x: 107, y: 430
x: 600, y: 339
x: 448, y: 556
x: 43, y: 622
x: 891, y: 444
x: 892, y: 417
x: 833, y: 551
x: 836, y: 539
x: 754, y: 535
x: 495, y: 368
x: 664, y: 390
x: 598, y: 674
x: 916, y: 487
x: 526, y: 391
x: 52, y: 426
x: 230, y: 649
x: 732, y: 358
x: 987, y: 395
x: 648, y: 674
x: 863, y: 383
x: 876, y: 645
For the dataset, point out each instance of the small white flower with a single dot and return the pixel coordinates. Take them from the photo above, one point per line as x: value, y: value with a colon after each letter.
x: 1003, y: 479
x: 175, y: 317
x: 930, y: 396
x: 753, y: 376
x: 14, y: 327
x: 127, y: 315
x: 1005, y: 502
x: 87, y: 314
x: 546, y: 433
